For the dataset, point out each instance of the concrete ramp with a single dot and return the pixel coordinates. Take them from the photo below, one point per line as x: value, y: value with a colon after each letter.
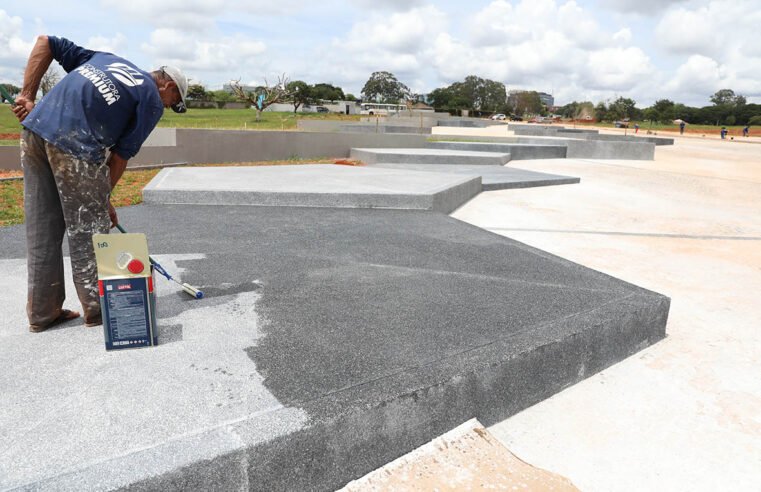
x: 517, y: 151
x: 430, y: 156
x: 316, y: 185
x: 492, y: 177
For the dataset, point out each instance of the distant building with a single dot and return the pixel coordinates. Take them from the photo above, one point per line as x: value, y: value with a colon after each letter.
x: 546, y: 99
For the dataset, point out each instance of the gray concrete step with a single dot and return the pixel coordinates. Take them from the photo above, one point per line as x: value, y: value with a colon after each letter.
x: 429, y: 156
x: 314, y: 185
x: 517, y: 151
x: 492, y: 177
x: 330, y: 342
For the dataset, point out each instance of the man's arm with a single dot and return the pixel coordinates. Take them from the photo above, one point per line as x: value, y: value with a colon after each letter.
x: 39, y: 61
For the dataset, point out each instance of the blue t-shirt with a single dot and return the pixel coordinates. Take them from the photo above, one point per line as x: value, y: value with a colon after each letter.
x: 104, y: 102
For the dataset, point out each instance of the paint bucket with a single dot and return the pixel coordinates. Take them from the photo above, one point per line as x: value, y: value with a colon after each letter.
x: 125, y: 284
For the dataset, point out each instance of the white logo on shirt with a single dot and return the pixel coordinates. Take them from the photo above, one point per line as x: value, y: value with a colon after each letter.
x: 105, y: 86
x: 125, y: 74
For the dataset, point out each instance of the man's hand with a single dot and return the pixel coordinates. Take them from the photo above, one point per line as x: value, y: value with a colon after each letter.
x: 112, y: 214
x: 23, y: 107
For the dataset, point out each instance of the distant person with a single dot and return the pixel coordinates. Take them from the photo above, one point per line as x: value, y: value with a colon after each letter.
x: 636, y: 128
x: 746, y: 131
x: 724, y: 132
x: 74, y: 148
x: 681, y: 127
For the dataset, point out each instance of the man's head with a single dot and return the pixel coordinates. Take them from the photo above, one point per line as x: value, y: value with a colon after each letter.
x: 173, y: 87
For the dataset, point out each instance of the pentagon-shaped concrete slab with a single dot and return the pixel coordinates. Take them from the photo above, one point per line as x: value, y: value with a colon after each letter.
x: 517, y: 151
x: 430, y: 156
x: 331, y: 341
x: 316, y: 185
x: 492, y: 177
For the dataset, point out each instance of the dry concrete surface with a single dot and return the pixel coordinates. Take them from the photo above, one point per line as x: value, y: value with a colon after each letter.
x: 684, y: 414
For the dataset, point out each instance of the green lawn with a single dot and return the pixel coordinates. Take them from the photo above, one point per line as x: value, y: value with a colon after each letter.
x: 8, y: 121
x: 241, y: 119
x: 238, y: 119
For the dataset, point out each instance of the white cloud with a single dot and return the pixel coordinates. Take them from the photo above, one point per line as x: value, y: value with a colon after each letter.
x: 14, y: 50
x: 719, y: 39
x: 116, y: 44
x: 197, y: 15
x: 228, y: 54
x: 646, y: 7
x: 617, y: 68
x: 12, y: 47
x: 393, y: 5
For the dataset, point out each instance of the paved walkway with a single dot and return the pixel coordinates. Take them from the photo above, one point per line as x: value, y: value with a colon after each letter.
x: 685, y: 414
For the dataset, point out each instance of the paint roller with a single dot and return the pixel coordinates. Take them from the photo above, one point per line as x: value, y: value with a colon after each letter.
x: 196, y: 293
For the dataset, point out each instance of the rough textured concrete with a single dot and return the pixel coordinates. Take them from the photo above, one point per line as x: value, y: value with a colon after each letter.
x: 331, y: 342
x: 492, y: 177
x: 198, y: 146
x: 600, y: 149
x: 468, y: 122
x: 430, y: 156
x: 384, y: 128
x: 317, y: 185
x: 683, y: 414
x: 517, y: 151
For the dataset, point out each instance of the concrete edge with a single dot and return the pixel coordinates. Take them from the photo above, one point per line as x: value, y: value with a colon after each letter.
x: 357, y: 438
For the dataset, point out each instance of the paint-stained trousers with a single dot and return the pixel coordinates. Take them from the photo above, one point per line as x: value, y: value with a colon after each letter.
x: 61, y: 194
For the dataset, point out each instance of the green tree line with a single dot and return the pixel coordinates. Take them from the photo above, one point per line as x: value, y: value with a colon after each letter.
x: 727, y: 108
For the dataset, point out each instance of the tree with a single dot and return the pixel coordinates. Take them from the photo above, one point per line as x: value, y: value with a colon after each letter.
x: 263, y: 96
x: 11, y: 89
x: 222, y: 95
x: 350, y: 97
x: 383, y: 87
x: 756, y: 120
x: 662, y: 111
x: 301, y: 93
x: 622, y: 108
x: 525, y: 102
x: 601, y: 112
x: 328, y: 92
x: 49, y: 80
x: 724, y: 97
x: 198, y: 92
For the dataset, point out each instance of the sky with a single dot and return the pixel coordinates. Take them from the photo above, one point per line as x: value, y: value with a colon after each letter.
x: 597, y: 50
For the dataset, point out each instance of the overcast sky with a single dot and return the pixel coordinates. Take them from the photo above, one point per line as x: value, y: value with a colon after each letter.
x: 684, y: 50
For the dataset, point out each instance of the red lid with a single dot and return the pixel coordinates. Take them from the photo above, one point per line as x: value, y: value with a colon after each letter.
x: 135, y: 266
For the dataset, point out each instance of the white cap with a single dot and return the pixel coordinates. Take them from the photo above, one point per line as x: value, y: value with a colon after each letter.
x: 177, y: 76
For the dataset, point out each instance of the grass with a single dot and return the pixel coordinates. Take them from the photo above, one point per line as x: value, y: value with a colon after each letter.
x: 129, y: 191
x: 11, y: 202
x: 230, y: 119
x: 242, y: 119
x: 8, y: 121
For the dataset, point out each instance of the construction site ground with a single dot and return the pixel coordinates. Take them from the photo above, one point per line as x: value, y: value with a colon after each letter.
x: 684, y: 414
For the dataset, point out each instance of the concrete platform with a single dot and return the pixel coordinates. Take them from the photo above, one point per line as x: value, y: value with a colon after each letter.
x: 331, y: 342
x: 429, y: 156
x: 492, y: 177
x: 517, y: 151
x: 314, y: 185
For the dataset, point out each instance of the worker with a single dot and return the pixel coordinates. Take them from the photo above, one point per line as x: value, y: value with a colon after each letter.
x: 74, y: 148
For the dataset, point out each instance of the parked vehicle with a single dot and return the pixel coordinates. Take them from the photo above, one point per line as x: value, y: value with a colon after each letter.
x: 515, y: 118
x: 322, y: 109
x: 498, y: 116
x: 381, y: 109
